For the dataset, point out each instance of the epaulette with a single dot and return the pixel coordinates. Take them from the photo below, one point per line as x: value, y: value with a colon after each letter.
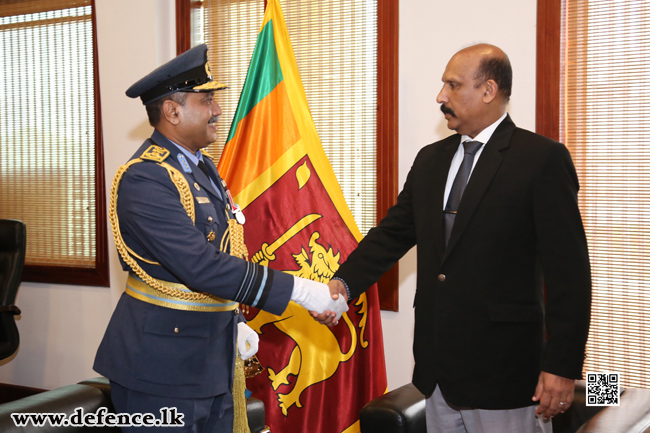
x: 205, y: 153
x: 155, y: 153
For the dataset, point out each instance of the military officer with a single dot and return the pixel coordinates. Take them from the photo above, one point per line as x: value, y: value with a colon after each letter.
x: 171, y: 342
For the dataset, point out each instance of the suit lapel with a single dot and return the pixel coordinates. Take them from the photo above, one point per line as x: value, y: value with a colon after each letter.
x: 485, y: 169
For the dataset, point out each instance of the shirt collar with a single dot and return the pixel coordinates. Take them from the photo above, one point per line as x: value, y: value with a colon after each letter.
x: 485, y: 135
x: 195, y: 158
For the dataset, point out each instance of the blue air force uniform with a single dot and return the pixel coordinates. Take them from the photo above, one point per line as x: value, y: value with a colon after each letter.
x: 166, y: 351
x: 170, y: 346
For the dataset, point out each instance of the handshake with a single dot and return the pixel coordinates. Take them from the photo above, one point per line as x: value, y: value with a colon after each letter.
x: 325, y: 303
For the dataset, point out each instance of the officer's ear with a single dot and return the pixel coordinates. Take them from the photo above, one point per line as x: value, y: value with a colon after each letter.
x: 490, y: 91
x: 170, y: 111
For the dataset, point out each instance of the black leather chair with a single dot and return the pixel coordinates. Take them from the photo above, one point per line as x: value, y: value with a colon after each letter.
x: 400, y: 411
x: 254, y: 407
x: 12, y: 258
x: 64, y: 400
x: 91, y: 395
x: 403, y: 411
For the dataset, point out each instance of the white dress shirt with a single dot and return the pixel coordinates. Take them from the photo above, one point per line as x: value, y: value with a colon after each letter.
x: 483, y: 137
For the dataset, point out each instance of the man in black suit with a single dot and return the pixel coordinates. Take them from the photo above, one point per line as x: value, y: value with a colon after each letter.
x: 493, y: 350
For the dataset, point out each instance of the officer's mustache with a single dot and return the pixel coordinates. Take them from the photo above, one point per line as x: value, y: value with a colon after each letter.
x: 213, y: 119
x: 447, y: 110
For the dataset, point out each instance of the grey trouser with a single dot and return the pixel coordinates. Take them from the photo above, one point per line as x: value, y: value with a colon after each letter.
x: 445, y: 418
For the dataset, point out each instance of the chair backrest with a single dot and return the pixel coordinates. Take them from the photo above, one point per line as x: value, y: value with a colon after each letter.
x: 12, y: 258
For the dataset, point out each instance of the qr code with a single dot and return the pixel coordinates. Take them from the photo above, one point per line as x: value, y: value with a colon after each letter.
x: 603, y: 389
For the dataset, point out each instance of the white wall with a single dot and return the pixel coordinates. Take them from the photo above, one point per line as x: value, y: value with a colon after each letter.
x: 61, y: 326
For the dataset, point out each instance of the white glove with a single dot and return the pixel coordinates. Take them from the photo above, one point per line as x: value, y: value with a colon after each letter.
x: 246, y: 335
x: 315, y: 296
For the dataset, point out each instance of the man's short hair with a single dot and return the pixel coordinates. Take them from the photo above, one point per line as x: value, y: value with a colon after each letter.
x: 498, y: 69
x: 154, y: 109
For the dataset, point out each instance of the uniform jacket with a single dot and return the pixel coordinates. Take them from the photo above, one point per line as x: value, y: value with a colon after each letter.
x: 169, y: 352
x: 481, y: 319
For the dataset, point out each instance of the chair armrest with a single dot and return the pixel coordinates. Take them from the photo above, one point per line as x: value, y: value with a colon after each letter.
x: 633, y: 415
x: 254, y: 407
x: 256, y: 415
x: 63, y: 400
x: 399, y: 411
x: 104, y: 385
x: 10, y: 309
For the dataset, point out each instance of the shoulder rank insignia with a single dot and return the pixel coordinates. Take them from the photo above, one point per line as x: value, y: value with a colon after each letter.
x: 155, y: 153
x: 205, y: 153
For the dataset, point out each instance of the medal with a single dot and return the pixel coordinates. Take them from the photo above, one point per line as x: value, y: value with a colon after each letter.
x: 236, y: 210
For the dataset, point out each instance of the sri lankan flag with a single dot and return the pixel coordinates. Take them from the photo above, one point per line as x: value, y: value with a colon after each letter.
x: 315, y: 378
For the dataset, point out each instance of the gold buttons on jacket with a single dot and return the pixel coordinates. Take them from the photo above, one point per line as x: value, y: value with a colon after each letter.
x: 211, y: 236
x: 176, y: 330
x: 209, y: 219
x: 442, y: 277
x: 236, y: 311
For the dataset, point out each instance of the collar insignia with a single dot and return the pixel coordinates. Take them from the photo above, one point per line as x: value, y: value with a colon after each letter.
x: 184, y: 164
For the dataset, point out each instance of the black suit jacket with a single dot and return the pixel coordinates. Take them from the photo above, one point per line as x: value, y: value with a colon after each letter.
x: 481, y: 317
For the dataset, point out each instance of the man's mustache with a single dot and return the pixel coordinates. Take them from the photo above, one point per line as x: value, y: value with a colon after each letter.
x: 213, y: 119
x: 447, y: 110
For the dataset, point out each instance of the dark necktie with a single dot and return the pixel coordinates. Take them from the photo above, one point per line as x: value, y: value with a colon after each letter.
x: 458, y: 187
x: 204, y: 168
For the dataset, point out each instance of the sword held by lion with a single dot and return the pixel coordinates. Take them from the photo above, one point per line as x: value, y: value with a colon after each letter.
x: 317, y: 354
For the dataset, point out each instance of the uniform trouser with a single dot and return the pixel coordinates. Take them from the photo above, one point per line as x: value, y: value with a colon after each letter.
x: 443, y: 417
x: 200, y: 415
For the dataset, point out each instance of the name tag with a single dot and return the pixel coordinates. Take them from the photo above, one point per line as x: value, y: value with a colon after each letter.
x: 203, y: 200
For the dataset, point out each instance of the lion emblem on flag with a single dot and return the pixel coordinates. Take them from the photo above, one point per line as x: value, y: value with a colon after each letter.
x: 317, y: 353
